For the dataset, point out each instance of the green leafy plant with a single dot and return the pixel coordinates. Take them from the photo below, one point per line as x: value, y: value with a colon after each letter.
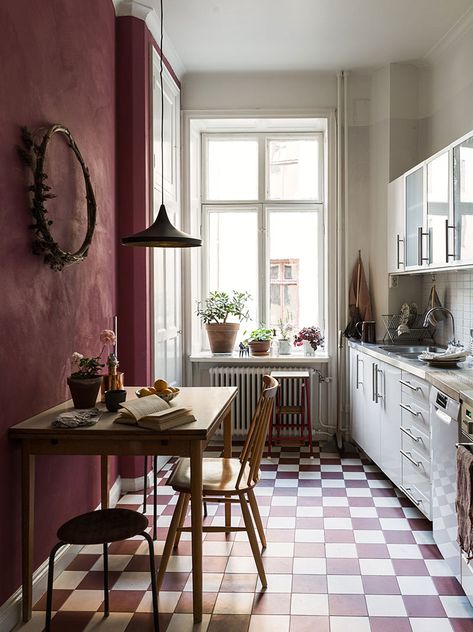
x: 260, y: 335
x: 218, y: 306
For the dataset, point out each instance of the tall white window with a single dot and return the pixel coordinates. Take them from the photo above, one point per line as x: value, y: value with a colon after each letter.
x: 263, y: 223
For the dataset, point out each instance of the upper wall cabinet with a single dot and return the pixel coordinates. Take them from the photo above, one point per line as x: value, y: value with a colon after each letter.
x: 463, y: 199
x: 430, y: 212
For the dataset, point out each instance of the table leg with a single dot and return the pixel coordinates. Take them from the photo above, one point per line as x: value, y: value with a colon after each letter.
x: 227, y: 453
x: 196, y: 523
x: 104, y: 482
x: 27, y: 510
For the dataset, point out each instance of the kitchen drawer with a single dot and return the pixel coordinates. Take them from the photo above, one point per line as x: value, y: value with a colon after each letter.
x: 416, y: 474
x: 413, y: 438
x: 415, y: 412
x: 420, y: 501
x: 415, y: 387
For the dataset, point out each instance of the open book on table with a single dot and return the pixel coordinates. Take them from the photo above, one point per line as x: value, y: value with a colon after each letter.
x: 153, y: 413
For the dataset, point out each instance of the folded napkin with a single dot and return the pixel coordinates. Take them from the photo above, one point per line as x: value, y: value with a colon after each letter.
x: 464, y: 500
x: 78, y: 418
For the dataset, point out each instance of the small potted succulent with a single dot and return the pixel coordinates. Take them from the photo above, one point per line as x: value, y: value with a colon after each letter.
x: 310, y: 338
x: 285, y: 329
x: 85, y: 379
x: 215, y: 311
x: 259, y: 341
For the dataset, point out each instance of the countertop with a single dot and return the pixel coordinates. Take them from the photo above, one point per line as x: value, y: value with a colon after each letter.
x: 456, y: 383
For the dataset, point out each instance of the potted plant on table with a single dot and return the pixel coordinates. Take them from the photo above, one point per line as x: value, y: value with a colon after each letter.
x: 215, y: 311
x: 85, y: 379
x: 310, y: 338
x: 259, y: 341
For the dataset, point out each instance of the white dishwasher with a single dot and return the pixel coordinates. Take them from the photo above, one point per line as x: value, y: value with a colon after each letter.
x: 444, y: 412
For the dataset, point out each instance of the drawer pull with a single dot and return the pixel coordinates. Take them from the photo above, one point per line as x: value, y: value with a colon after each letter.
x: 409, y: 385
x: 408, y: 456
x: 416, y: 413
x: 408, y: 432
x: 407, y: 491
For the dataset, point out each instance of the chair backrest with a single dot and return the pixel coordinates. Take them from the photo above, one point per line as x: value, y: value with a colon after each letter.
x: 254, y: 444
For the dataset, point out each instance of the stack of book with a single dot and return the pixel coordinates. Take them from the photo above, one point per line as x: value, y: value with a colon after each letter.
x: 153, y: 413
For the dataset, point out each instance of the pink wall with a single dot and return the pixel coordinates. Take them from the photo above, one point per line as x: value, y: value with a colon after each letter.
x: 57, y: 65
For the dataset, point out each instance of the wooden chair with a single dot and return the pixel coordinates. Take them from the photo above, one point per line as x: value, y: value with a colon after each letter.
x: 102, y: 527
x: 227, y: 480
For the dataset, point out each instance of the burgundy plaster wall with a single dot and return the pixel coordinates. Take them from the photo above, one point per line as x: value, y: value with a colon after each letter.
x: 57, y: 64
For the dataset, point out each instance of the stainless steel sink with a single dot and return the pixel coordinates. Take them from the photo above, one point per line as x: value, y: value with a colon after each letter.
x: 411, y: 351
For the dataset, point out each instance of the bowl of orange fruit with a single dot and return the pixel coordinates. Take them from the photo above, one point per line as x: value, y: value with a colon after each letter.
x: 160, y: 388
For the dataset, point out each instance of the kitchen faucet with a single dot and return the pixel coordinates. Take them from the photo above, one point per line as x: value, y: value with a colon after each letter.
x: 427, y: 321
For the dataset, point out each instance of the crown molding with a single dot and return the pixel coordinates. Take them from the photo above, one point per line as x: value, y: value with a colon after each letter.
x: 461, y: 26
x: 147, y: 13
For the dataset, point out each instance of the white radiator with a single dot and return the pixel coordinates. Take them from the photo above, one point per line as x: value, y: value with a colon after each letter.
x: 249, y: 380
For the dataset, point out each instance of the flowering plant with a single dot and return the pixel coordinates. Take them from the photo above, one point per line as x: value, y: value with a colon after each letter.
x: 84, y: 368
x: 312, y: 334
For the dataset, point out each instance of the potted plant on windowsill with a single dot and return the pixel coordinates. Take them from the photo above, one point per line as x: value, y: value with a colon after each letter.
x: 310, y: 338
x: 285, y: 328
x: 215, y: 311
x: 259, y: 341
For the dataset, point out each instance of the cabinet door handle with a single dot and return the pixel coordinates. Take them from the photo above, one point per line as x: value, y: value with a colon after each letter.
x: 408, y: 432
x: 374, y: 382
x: 399, y: 263
x: 447, y: 245
x: 408, y: 456
x: 378, y: 394
x: 358, y: 371
x: 420, y: 247
x: 409, y: 385
x: 407, y: 491
x: 416, y: 413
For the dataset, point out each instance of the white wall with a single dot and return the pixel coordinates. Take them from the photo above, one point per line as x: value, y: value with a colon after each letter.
x: 265, y: 90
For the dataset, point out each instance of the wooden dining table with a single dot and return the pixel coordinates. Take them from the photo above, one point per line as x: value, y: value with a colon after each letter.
x: 211, y: 407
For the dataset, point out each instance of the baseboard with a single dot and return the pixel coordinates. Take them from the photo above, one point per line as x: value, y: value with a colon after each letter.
x: 11, y: 610
x: 136, y: 484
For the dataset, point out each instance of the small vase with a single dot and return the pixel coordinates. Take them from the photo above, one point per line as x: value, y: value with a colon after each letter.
x: 84, y: 391
x: 284, y: 347
x: 308, y: 350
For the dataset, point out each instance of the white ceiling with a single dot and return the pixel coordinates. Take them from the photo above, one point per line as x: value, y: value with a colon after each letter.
x: 282, y: 35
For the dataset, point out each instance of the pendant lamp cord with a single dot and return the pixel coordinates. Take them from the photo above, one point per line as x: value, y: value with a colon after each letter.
x: 162, y: 105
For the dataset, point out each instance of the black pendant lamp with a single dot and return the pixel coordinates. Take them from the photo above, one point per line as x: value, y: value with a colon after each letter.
x: 161, y: 234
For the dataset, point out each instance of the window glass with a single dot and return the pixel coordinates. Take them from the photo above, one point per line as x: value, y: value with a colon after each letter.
x: 233, y: 255
x: 294, y: 247
x: 232, y: 169
x: 293, y: 169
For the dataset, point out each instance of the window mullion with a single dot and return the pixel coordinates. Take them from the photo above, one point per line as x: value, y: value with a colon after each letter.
x: 263, y: 265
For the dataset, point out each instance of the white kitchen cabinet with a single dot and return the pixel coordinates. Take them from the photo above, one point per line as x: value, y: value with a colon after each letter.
x: 389, y: 386
x: 415, y: 232
x: 438, y: 208
x: 462, y: 201
x: 396, y: 225
x: 376, y: 417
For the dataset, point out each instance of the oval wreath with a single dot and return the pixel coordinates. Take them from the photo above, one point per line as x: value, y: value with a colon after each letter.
x: 33, y: 155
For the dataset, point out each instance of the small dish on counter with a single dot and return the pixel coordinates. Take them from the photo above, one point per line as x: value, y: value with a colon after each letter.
x: 446, y: 360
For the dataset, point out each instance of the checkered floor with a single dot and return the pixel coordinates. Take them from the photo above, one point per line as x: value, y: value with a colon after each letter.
x: 346, y: 552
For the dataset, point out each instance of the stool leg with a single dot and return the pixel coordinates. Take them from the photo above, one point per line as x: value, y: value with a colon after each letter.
x: 145, y: 483
x: 106, y: 603
x: 152, y: 569
x: 155, y: 497
x: 49, y: 598
x: 302, y: 399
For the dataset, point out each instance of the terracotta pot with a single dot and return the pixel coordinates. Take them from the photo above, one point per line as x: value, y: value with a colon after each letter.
x: 222, y: 336
x: 260, y: 348
x: 84, y: 391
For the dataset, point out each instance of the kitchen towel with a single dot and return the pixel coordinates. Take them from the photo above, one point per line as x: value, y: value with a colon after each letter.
x: 359, y: 300
x: 464, y: 501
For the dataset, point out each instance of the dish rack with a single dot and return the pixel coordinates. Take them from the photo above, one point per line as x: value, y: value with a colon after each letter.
x: 417, y: 332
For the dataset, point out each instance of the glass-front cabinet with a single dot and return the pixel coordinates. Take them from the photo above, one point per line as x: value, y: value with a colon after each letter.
x: 414, y: 218
x: 430, y: 212
x: 463, y: 199
x: 438, y: 210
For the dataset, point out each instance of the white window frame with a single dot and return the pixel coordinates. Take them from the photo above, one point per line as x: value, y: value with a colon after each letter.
x: 264, y: 206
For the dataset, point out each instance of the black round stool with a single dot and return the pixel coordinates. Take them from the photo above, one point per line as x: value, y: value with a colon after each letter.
x: 102, y: 527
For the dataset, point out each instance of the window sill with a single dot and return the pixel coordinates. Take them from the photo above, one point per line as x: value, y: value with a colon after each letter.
x: 294, y: 359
